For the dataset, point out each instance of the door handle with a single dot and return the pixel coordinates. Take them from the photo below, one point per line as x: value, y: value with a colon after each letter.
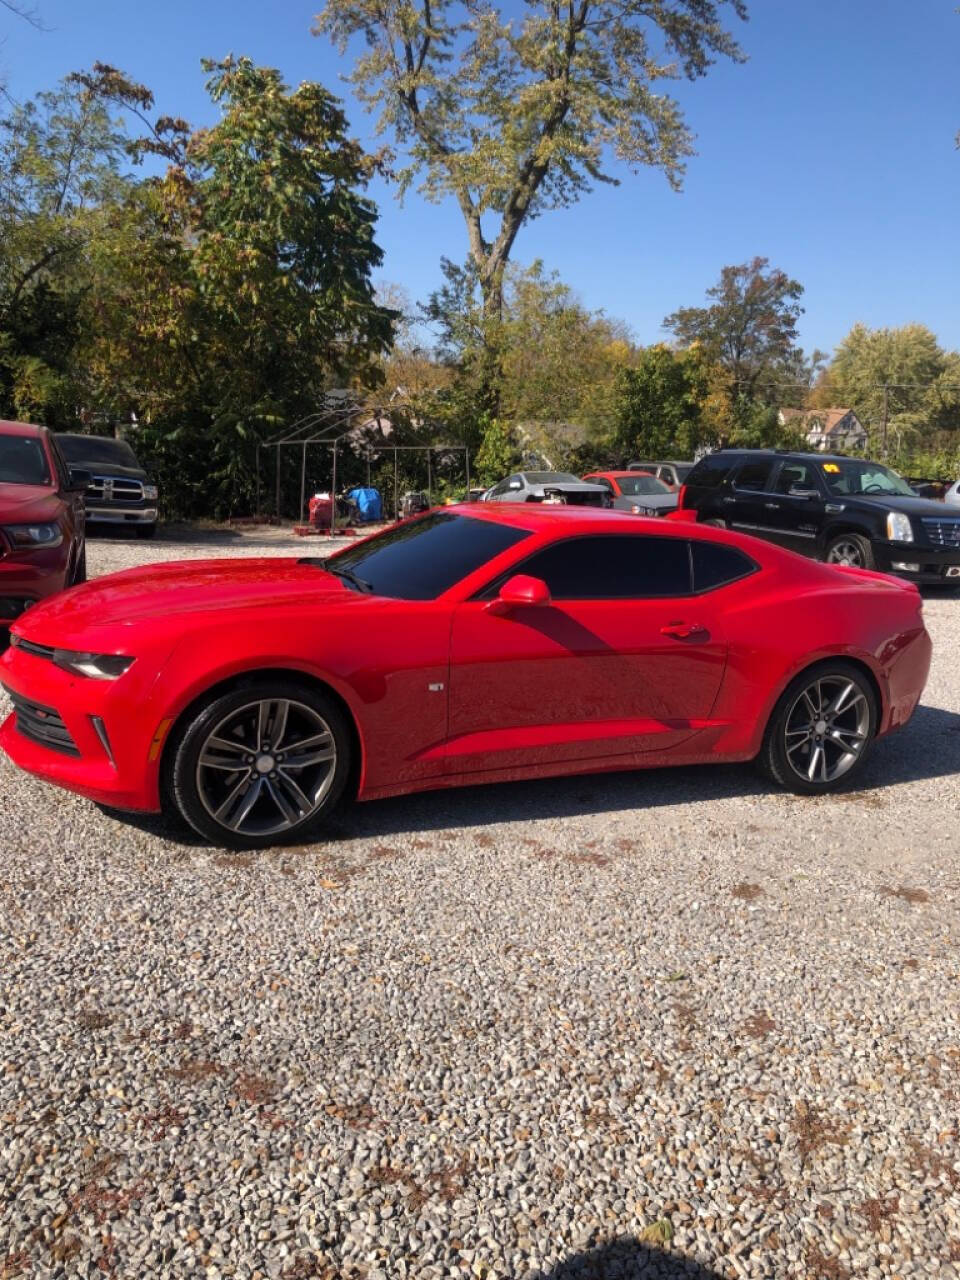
x: 683, y: 630
x: 772, y: 506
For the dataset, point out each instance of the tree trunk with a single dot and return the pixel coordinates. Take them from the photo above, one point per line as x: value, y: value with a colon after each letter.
x: 491, y: 371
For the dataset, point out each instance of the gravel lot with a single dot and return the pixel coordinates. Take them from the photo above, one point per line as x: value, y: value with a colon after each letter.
x: 663, y: 1024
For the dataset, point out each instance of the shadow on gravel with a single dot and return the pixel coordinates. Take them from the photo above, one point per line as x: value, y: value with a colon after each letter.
x: 628, y: 1259
x: 929, y: 747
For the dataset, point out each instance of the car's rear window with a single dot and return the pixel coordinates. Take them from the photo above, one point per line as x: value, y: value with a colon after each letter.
x: 23, y: 460
x: 422, y: 558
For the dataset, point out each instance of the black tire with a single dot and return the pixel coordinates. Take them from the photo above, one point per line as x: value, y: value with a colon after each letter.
x: 145, y: 532
x: 80, y: 569
x: 861, y: 552
x: 774, y: 759
x: 194, y: 791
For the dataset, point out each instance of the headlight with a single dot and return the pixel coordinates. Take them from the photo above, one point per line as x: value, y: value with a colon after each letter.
x: 899, y: 528
x: 97, y: 666
x: 30, y: 537
x: 150, y: 492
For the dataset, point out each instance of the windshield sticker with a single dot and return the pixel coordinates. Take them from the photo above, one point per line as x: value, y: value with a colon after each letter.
x: 831, y: 466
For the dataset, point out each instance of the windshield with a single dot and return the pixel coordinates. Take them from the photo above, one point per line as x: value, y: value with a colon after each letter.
x: 634, y: 486
x: 848, y: 477
x: 422, y: 558
x: 23, y: 461
x: 551, y: 477
x: 97, y: 450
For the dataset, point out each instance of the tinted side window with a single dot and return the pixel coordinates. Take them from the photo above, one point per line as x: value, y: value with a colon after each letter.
x: 612, y: 568
x: 715, y: 566
x: 754, y: 476
x: 796, y: 475
x: 710, y: 472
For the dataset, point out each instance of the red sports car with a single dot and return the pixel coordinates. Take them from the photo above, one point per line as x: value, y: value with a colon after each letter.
x: 41, y: 519
x: 477, y: 643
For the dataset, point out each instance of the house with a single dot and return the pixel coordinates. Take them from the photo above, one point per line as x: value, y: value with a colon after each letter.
x: 827, y: 430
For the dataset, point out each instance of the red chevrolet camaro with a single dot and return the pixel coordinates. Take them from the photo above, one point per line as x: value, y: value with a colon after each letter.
x: 473, y: 644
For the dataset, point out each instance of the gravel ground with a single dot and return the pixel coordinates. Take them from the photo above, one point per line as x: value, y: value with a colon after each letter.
x: 664, y: 1024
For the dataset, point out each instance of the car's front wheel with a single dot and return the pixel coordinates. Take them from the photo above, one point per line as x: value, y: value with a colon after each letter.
x: 260, y: 765
x: 821, y: 729
x: 850, y: 549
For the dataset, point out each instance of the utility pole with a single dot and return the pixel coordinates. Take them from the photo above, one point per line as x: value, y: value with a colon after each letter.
x: 886, y: 417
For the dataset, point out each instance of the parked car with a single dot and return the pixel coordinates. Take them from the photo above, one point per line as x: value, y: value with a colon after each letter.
x: 952, y: 496
x: 551, y: 487
x: 120, y: 491
x: 478, y: 643
x: 41, y: 520
x: 673, y: 474
x: 636, y: 491
x: 842, y: 510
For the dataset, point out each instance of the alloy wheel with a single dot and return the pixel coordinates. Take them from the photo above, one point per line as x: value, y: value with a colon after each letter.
x: 266, y: 767
x: 846, y: 551
x: 827, y: 729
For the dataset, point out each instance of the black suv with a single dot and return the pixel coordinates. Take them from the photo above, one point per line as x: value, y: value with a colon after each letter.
x: 120, y: 491
x: 842, y: 510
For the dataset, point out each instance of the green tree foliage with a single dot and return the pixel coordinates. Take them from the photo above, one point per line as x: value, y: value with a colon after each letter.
x: 904, y: 367
x: 499, y: 452
x: 512, y: 115
x: 210, y: 304
x: 557, y: 361
x: 749, y: 329
x: 660, y: 404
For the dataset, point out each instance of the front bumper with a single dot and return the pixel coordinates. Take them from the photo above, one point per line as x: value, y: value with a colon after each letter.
x: 934, y: 565
x: 127, y: 781
x: 122, y: 515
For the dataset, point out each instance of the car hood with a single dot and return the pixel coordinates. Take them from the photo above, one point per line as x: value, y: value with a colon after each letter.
x: 171, y: 590
x: 112, y: 469
x: 893, y: 502
x: 22, y: 503
x: 569, y: 486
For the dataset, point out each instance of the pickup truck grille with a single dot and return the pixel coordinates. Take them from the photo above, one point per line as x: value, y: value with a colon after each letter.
x: 115, y: 489
x: 43, y: 725
x: 942, y: 533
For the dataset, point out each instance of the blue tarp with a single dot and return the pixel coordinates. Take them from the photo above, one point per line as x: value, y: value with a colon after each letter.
x: 369, y: 503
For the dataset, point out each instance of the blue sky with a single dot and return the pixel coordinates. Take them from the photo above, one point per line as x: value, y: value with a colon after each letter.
x: 831, y: 152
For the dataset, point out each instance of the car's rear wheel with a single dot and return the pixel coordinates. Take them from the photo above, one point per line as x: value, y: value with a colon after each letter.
x: 260, y: 765
x: 850, y: 549
x: 821, y: 729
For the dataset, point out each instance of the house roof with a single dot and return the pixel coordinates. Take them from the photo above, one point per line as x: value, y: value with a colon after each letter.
x: 828, y: 420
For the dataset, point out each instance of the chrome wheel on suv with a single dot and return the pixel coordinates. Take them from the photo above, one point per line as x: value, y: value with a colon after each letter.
x: 850, y: 549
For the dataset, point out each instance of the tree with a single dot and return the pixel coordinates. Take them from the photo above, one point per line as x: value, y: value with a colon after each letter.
x: 513, y: 117
x: 499, y: 454
x: 660, y: 401
x: 897, y: 375
x: 749, y: 329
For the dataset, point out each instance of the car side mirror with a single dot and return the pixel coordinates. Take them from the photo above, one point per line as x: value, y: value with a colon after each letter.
x: 520, y: 591
x: 79, y: 478
x: 798, y: 491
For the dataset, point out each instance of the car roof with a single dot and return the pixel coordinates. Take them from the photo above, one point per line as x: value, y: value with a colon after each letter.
x: 21, y: 429
x: 622, y: 475
x: 791, y: 453
x: 539, y: 518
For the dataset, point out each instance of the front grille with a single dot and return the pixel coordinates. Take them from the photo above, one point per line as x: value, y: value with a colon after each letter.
x: 42, y: 724
x: 115, y: 489
x: 942, y: 533
x: 29, y: 646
